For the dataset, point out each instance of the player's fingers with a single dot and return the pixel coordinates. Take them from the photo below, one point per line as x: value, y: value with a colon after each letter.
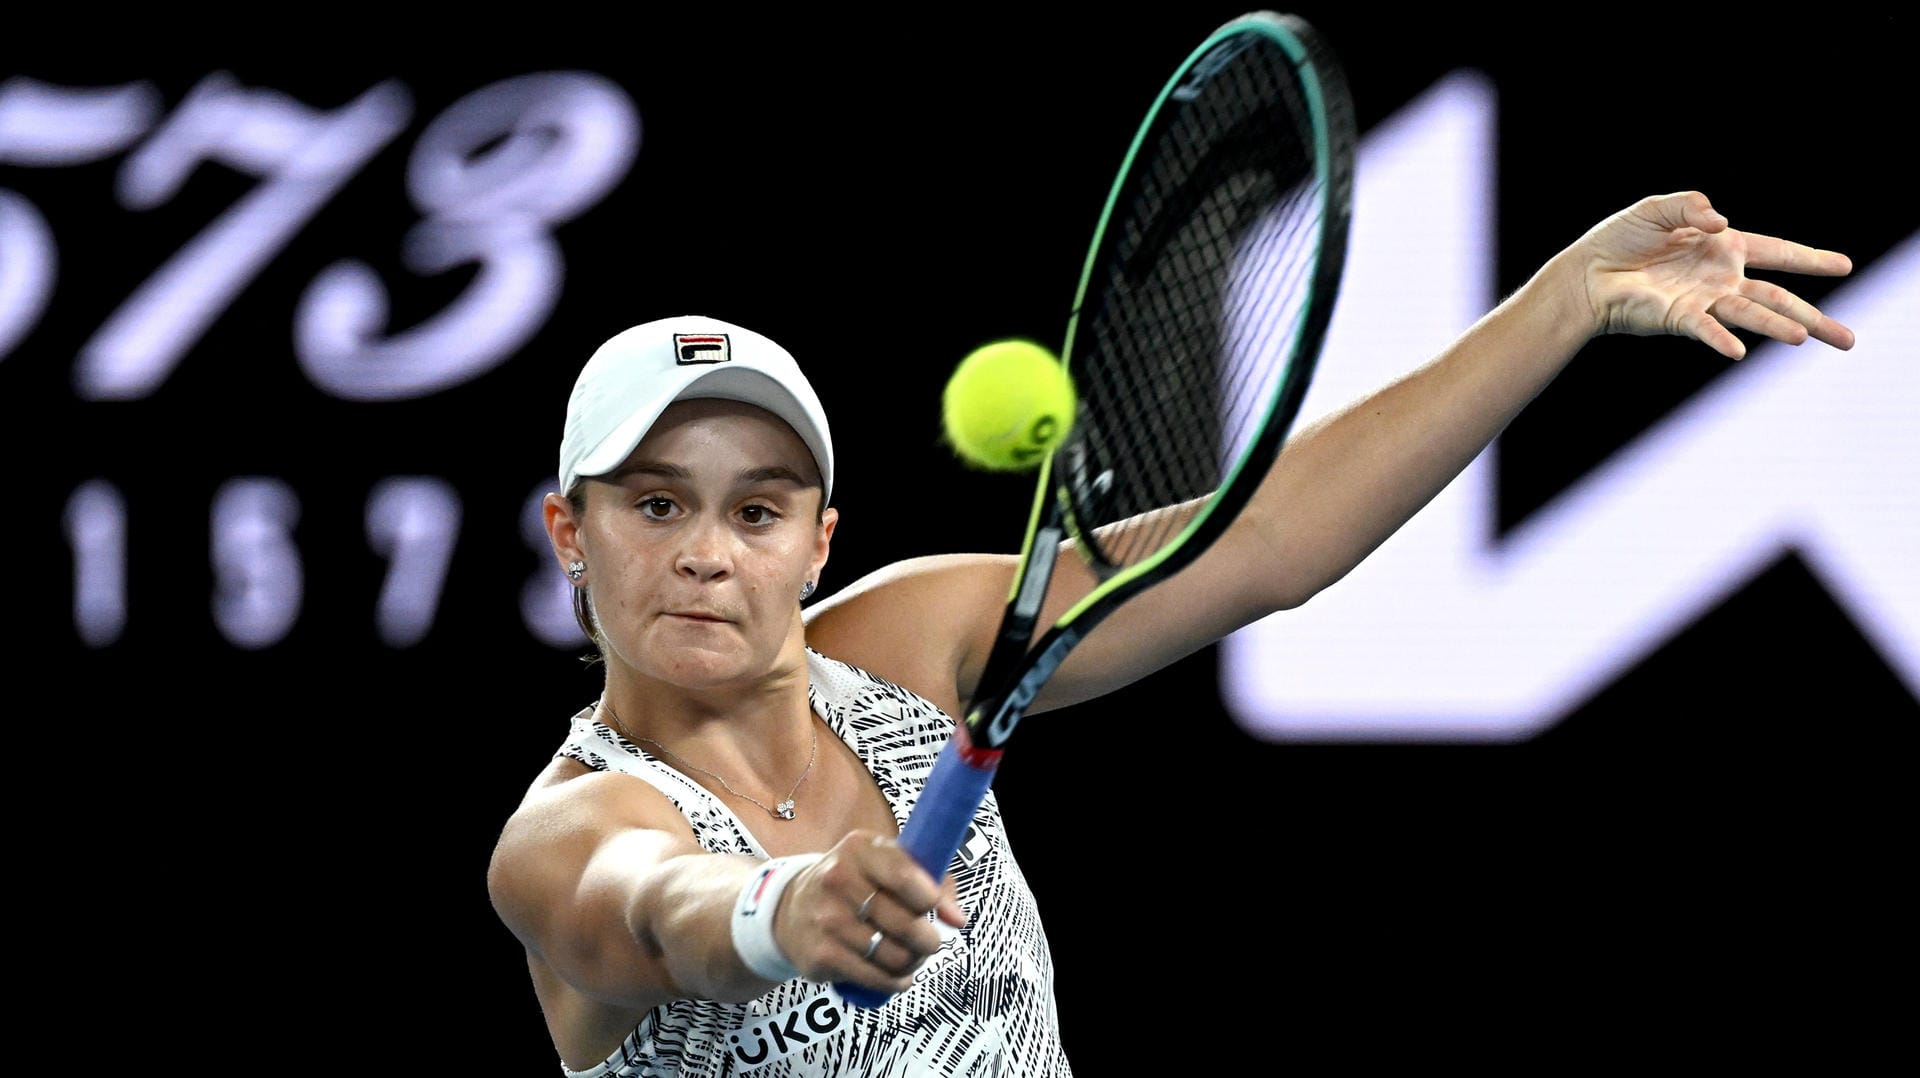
x: 1682, y: 209
x: 948, y: 910
x: 883, y: 954
x: 897, y: 880
x: 1773, y: 253
x: 1790, y: 307
x: 1742, y: 311
x: 890, y: 939
x: 1704, y: 325
x: 912, y: 932
x: 874, y: 963
x: 897, y: 951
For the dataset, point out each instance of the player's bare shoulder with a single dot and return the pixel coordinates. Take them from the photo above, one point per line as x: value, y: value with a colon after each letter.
x: 924, y: 623
x: 571, y: 802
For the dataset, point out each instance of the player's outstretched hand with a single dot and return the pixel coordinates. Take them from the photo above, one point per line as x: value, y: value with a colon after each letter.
x: 1671, y: 264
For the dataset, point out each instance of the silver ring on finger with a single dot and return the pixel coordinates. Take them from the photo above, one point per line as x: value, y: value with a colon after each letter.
x: 873, y: 945
x: 866, y: 907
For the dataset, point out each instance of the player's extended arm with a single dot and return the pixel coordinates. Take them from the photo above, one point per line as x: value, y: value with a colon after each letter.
x: 1667, y: 264
x: 599, y: 879
x: 622, y: 909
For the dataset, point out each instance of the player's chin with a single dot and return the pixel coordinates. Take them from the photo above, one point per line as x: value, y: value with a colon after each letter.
x: 704, y: 657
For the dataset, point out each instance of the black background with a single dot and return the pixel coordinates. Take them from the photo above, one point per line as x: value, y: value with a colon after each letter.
x: 306, y: 828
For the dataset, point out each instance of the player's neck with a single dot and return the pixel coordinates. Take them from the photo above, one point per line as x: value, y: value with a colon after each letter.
x: 755, y: 721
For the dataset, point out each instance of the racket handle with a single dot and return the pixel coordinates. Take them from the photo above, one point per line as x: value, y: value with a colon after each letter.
x: 938, y: 824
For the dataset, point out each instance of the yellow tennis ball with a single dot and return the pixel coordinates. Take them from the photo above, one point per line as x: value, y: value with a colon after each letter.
x: 1007, y: 405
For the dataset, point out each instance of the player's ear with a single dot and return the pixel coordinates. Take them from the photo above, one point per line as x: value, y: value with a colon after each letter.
x: 823, y: 540
x: 563, y: 522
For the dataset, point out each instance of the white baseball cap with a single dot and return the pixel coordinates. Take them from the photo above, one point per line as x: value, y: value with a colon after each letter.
x: 630, y: 380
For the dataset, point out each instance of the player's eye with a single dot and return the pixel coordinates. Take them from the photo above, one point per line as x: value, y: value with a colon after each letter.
x: 758, y: 514
x: 657, y: 508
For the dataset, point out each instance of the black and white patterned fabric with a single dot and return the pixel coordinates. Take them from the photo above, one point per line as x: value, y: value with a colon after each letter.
x: 982, y: 1005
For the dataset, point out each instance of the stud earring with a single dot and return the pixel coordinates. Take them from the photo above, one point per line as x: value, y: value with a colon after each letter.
x: 576, y: 570
x: 806, y: 591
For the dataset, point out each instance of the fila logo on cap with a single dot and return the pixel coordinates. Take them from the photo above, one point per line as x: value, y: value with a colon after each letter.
x: 700, y: 348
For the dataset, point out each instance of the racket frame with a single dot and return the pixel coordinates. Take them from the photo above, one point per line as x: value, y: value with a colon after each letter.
x: 1016, y: 668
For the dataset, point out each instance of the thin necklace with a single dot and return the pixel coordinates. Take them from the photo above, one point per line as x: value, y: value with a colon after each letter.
x: 782, y: 811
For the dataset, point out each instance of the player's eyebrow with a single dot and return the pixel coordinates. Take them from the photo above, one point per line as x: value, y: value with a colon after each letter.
x: 771, y: 473
x: 775, y: 473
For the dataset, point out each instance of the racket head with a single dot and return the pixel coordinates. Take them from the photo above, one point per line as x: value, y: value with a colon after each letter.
x: 1201, y: 309
x: 1204, y: 300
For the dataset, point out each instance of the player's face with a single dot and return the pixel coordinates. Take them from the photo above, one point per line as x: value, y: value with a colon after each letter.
x: 699, y: 545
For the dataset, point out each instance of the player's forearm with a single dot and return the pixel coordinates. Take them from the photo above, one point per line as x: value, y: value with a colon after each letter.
x: 1346, y: 483
x: 643, y: 919
x: 680, y: 913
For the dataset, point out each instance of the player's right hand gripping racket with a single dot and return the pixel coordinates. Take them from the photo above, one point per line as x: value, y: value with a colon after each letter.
x: 1201, y: 310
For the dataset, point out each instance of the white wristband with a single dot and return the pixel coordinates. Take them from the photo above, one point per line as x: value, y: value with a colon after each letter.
x: 753, y: 916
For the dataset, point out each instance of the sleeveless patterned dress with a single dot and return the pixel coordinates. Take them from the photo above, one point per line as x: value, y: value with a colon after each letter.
x: 981, y: 1005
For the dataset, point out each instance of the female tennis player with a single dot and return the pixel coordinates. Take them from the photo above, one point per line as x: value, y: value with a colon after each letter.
x: 713, y: 846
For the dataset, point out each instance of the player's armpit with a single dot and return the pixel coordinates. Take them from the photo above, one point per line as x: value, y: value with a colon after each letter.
x: 925, y: 624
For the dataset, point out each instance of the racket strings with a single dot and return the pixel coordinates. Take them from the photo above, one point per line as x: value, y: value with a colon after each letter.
x: 1182, y: 339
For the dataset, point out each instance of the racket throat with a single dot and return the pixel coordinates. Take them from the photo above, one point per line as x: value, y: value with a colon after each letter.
x: 1086, y: 497
x: 1033, y: 584
x: 1023, y: 614
x: 1010, y: 709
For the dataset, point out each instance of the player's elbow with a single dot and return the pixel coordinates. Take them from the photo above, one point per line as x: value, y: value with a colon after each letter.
x: 1294, y: 590
x: 507, y: 892
x: 1282, y: 586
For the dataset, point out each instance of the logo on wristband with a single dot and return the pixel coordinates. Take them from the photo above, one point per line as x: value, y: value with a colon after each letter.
x: 750, y: 898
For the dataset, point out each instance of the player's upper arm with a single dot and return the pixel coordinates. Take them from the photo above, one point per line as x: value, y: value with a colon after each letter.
x: 929, y: 623
x: 923, y: 623
x: 565, y: 873
x: 1226, y: 588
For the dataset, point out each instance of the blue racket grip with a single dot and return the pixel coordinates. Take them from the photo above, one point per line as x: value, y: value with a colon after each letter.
x: 932, y: 835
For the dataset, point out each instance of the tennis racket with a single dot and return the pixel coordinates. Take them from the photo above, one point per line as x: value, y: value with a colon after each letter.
x: 1200, y: 313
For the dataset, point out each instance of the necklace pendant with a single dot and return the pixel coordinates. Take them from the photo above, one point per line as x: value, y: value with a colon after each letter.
x: 784, y: 809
